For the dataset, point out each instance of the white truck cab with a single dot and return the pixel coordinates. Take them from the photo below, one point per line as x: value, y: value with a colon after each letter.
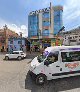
x: 56, y: 62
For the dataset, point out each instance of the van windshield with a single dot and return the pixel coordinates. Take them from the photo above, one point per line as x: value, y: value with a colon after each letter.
x: 41, y: 58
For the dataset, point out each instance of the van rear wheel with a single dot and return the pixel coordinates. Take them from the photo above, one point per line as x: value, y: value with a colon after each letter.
x: 41, y: 79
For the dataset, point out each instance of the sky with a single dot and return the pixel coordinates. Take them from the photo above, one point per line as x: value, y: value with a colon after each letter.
x: 15, y: 13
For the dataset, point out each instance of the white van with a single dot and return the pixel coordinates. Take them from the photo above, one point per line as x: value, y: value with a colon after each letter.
x: 56, y: 62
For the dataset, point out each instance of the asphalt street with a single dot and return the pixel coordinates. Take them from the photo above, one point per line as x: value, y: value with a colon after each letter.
x: 14, y: 77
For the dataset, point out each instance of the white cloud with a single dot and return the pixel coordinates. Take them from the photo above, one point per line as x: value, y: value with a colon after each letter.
x: 14, y: 27
x: 2, y: 23
x: 24, y: 30
x: 17, y: 29
x: 71, y: 13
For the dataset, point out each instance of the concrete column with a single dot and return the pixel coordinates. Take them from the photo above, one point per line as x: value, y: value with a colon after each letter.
x: 51, y: 28
x: 40, y: 23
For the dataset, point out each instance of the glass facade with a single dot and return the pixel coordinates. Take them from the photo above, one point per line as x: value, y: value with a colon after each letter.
x: 45, y: 24
x: 45, y: 15
x: 45, y: 32
x: 33, y: 25
x: 57, y: 21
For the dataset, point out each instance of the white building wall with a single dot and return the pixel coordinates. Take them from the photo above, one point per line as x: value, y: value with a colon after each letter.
x: 71, y: 39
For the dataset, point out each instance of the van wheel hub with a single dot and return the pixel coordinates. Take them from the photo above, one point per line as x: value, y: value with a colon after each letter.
x: 41, y: 80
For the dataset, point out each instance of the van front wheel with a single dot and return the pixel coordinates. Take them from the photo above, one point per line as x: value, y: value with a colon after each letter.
x: 41, y: 79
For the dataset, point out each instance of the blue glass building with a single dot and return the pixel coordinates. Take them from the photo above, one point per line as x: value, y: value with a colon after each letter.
x: 58, y: 21
x: 39, y: 23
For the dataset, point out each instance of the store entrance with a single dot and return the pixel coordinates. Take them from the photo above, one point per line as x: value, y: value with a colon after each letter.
x: 46, y: 43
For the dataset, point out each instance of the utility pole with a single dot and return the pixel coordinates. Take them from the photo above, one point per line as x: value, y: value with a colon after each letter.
x: 39, y: 33
x: 6, y: 37
x: 51, y: 20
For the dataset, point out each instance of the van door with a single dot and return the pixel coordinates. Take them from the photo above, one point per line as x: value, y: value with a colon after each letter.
x: 52, y: 66
x: 70, y: 63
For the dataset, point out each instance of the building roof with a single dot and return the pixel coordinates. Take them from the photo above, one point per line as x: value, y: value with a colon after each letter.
x: 59, y: 7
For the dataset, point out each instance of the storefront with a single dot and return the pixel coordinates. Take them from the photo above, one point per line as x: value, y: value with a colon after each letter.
x: 35, y: 46
x: 56, y: 42
x: 46, y: 43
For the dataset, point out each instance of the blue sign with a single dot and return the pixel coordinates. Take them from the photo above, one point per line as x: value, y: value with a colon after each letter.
x: 46, y: 53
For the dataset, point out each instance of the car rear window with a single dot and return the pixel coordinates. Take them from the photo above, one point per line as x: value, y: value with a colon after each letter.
x: 15, y: 52
x: 22, y: 52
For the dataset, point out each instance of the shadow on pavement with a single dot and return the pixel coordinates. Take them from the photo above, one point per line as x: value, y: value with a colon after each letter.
x: 32, y: 55
x: 13, y: 60
x: 53, y: 85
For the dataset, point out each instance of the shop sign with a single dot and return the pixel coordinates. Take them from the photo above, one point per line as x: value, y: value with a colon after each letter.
x: 35, y: 43
x: 38, y: 11
x: 53, y: 44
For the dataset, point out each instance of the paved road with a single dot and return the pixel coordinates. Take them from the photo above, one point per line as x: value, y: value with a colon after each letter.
x: 14, y: 77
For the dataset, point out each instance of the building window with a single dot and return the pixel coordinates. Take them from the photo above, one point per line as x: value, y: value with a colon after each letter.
x: 76, y: 36
x: 11, y: 42
x: 46, y: 23
x: 69, y: 37
x: 46, y: 15
x: 72, y: 40
x: 19, y: 42
x: 45, y: 33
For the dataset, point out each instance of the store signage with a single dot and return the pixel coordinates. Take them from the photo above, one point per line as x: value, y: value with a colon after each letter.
x: 38, y: 11
x: 72, y: 65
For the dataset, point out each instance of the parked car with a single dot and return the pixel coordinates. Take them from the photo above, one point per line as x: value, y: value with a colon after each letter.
x: 15, y: 55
